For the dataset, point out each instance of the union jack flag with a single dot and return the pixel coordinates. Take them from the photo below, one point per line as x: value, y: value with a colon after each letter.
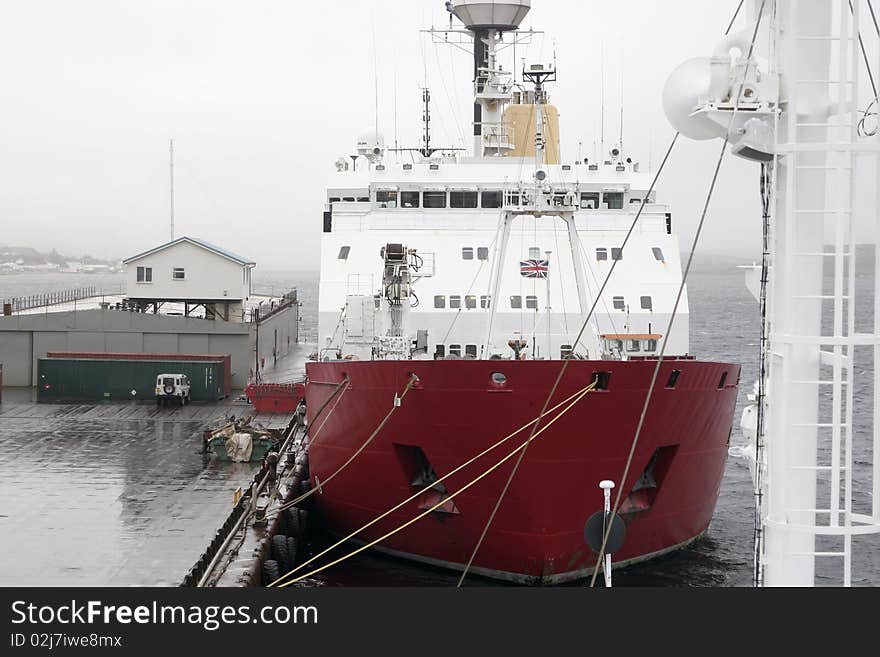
x: 534, y: 268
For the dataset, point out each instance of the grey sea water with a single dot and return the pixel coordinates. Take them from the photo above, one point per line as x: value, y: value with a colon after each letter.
x: 724, y: 326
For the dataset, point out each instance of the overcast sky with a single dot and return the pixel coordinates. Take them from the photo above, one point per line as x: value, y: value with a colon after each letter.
x: 261, y: 97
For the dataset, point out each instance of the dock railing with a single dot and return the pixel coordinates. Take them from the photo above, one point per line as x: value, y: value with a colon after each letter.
x: 17, y: 304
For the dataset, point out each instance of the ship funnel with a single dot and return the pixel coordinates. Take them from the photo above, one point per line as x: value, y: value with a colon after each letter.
x: 502, y: 16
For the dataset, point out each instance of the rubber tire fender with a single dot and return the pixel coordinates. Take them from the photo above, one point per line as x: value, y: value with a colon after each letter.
x: 303, y: 522
x: 292, y: 550
x: 271, y: 571
x: 281, y: 553
x: 292, y: 525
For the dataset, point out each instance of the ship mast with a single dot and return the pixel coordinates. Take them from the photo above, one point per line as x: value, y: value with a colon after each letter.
x: 802, y: 122
x: 487, y: 22
x: 807, y: 515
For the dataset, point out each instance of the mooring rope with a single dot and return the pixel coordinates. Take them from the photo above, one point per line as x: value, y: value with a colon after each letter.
x: 438, y: 481
x: 394, y: 406
x: 447, y: 499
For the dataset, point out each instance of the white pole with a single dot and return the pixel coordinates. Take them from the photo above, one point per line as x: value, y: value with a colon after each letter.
x: 606, y: 485
x: 495, y: 281
x: 549, y: 312
x: 171, y: 175
x: 803, y: 34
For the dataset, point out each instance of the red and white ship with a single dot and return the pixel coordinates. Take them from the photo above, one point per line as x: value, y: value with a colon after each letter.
x: 438, y: 271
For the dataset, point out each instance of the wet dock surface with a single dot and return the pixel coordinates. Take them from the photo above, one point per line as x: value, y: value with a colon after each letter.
x: 110, y: 494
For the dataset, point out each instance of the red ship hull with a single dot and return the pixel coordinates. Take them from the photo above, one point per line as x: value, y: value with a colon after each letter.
x: 456, y: 411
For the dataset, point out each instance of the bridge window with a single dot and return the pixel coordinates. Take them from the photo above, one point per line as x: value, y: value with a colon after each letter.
x: 435, y: 199
x: 455, y: 302
x: 363, y: 199
x: 602, y: 254
x: 482, y: 253
x: 532, y: 302
x: 658, y: 254
x: 409, y: 199
x: 616, y: 254
x: 634, y: 346
x: 467, y: 253
x: 343, y: 252
x: 440, y: 301
x: 619, y: 303
x: 461, y: 199
x: 440, y: 351
x: 386, y: 198
x: 470, y: 351
x: 516, y: 302
x: 589, y: 200
x: 613, y: 200
x: 647, y: 303
x: 566, y: 351
x: 534, y: 252
x: 455, y: 350
x: 484, y: 301
x: 491, y: 199
x: 650, y: 345
x: 613, y: 345
x: 470, y: 301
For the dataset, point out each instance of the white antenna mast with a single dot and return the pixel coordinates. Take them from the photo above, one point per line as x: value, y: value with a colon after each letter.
x: 620, y: 75
x: 375, y: 73
x: 171, y: 174
x: 396, y: 145
x: 602, y: 109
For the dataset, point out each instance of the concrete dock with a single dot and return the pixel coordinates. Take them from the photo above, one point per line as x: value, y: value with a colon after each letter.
x: 112, y: 494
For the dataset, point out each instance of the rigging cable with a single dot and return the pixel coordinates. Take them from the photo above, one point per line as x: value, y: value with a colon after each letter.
x: 681, y: 288
x: 874, y: 17
x: 870, y: 111
x: 565, y: 364
x: 735, y: 15
x: 864, y: 53
x: 766, y: 186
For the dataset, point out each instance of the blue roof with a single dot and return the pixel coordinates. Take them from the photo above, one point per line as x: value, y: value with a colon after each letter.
x: 198, y: 242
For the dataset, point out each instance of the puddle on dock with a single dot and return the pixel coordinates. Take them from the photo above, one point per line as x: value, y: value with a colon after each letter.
x: 108, y: 494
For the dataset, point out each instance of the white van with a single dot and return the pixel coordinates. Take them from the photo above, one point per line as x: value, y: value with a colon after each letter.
x: 172, y: 388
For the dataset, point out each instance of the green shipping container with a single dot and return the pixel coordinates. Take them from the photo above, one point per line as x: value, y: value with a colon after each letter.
x: 82, y: 379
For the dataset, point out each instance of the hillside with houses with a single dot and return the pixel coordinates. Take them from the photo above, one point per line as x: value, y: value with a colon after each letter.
x: 22, y: 259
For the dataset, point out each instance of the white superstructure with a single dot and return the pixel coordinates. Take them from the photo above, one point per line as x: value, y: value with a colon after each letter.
x: 456, y: 237
x: 506, y: 247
